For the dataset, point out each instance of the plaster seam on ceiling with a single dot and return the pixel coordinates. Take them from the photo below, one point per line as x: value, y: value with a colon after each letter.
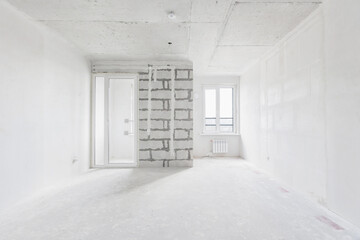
x: 189, y: 30
x: 222, y: 29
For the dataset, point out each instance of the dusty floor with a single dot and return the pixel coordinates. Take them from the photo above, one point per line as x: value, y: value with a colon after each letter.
x: 216, y: 199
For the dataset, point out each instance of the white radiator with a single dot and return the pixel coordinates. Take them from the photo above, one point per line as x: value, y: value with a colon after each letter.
x: 220, y: 146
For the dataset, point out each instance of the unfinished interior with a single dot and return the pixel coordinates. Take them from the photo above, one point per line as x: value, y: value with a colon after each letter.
x: 179, y: 119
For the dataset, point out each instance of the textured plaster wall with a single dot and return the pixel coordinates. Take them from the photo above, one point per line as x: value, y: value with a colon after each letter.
x: 283, y: 110
x: 154, y: 149
x: 300, y: 109
x: 44, y: 108
x: 342, y: 73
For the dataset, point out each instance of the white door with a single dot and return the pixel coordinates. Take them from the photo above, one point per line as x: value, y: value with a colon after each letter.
x: 114, y: 120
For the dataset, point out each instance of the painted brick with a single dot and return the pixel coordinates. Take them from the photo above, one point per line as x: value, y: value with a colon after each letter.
x: 150, y: 144
x: 191, y: 133
x: 183, y: 124
x: 166, y: 114
x: 183, y: 144
x: 158, y: 134
x: 158, y: 94
x: 182, y: 74
x: 154, y: 124
x: 167, y: 124
x: 181, y: 94
x: 143, y: 76
x: 164, y: 74
x: 143, y: 135
x: 179, y: 84
x: 154, y: 134
x: 182, y: 154
x: 156, y: 85
x: 152, y: 164
x: 191, y: 74
x: 181, y: 114
x: 144, y: 85
x: 184, y: 104
x: 167, y: 104
x: 166, y: 84
x: 163, y: 94
x: 191, y: 95
x: 181, y: 134
x: 161, y: 155
x: 166, y: 144
x: 155, y: 104
x: 143, y: 94
x: 144, y: 155
x: 155, y: 148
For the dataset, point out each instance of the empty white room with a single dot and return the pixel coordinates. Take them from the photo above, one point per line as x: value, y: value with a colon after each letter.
x: 179, y: 119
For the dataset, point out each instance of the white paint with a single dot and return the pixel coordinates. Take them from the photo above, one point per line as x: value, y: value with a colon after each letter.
x: 174, y: 203
x: 202, y: 143
x: 44, y: 105
x: 121, y: 120
x: 172, y: 116
x: 342, y: 73
x: 282, y: 112
x: 299, y: 109
x: 148, y: 130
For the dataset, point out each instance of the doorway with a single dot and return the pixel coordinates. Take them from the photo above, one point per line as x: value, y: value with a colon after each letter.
x: 114, y: 120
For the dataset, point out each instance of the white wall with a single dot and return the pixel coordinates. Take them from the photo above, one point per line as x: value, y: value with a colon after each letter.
x: 202, y: 143
x: 282, y: 111
x: 342, y: 73
x: 44, y: 107
x: 300, y: 117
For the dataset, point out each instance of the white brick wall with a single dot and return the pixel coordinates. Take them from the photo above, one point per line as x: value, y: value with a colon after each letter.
x: 181, y: 134
x: 154, y: 149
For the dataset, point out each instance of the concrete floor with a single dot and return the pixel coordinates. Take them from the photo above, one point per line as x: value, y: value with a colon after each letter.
x: 216, y: 199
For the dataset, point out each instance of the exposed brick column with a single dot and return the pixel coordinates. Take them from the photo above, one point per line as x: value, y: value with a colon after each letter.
x: 154, y: 149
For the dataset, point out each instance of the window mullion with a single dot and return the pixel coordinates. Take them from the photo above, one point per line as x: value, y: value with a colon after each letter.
x: 217, y: 109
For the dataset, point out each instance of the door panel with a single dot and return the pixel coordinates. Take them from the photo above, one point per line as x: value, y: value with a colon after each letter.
x: 114, y: 125
x: 121, y: 117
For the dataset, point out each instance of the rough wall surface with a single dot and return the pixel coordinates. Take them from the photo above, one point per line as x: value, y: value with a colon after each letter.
x: 154, y: 149
x: 44, y: 108
x: 283, y: 114
x: 307, y: 122
x: 342, y: 72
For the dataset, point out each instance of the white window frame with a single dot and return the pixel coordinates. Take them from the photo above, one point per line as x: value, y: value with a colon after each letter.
x: 235, y: 108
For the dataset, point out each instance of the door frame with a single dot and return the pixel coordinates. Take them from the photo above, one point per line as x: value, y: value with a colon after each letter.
x: 107, y: 76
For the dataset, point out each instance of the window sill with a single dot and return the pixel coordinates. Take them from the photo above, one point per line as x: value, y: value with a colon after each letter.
x: 219, y: 134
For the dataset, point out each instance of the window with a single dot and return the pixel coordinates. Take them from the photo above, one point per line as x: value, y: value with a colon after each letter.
x: 219, y: 109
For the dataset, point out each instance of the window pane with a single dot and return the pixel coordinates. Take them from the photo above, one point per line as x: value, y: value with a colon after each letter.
x: 210, y: 124
x: 226, y: 109
x: 210, y: 109
x: 99, y: 120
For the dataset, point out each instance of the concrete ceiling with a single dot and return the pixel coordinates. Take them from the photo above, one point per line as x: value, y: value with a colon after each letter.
x: 219, y: 36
